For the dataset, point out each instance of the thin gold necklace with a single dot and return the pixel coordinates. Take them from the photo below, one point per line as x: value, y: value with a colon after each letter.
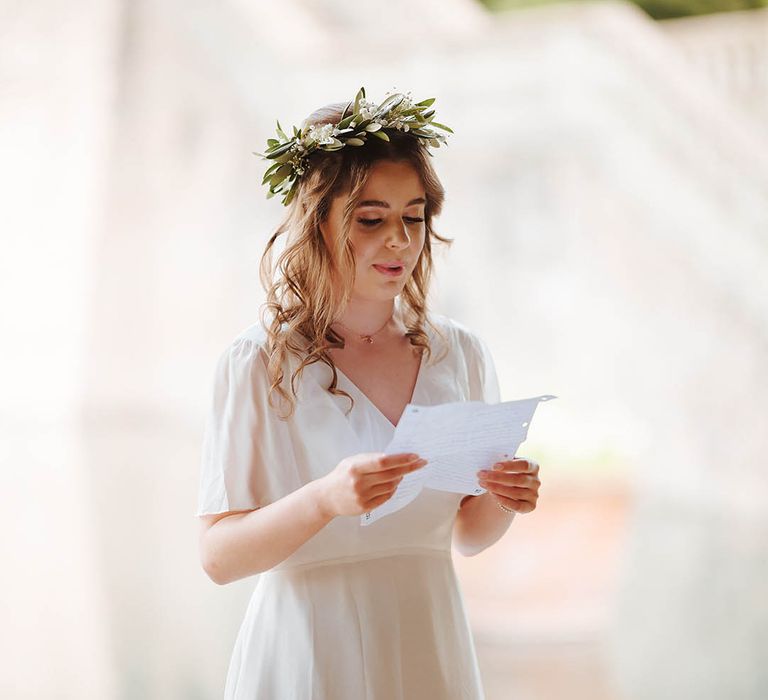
x: 368, y: 338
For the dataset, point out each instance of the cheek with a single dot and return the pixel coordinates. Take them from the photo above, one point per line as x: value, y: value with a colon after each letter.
x: 365, y: 249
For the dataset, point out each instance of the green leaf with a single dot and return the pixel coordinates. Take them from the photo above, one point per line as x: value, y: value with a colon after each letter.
x: 360, y: 95
x: 280, y: 150
x: 344, y: 123
x: 442, y: 126
x: 284, y: 158
x: 280, y: 131
x: 380, y: 134
x: 271, y: 169
x: 426, y: 103
x: 390, y: 103
x: 287, y: 199
x: 284, y: 170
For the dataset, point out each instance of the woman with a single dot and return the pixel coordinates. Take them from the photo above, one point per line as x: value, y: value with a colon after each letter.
x: 341, y: 611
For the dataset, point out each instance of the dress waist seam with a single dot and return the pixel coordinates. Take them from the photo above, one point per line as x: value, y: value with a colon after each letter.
x: 352, y: 558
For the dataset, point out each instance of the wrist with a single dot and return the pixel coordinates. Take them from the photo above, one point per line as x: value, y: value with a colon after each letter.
x: 319, y: 492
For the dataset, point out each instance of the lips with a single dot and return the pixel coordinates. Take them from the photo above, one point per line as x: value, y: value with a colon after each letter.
x: 390, y: 269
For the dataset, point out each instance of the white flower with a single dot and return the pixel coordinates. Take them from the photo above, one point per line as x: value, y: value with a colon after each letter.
x: 321, y: 135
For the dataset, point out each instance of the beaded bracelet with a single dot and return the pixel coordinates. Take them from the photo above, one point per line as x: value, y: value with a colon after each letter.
x: 506, y: 510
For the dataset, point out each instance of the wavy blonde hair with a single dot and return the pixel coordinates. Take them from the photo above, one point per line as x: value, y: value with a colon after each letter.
x: 306, y: 291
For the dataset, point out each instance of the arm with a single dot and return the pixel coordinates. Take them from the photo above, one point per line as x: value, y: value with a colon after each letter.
x: 479, y: 523
x: 234, y: 545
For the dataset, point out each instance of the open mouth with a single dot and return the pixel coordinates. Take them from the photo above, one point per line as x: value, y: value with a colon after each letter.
x: 390, y: 270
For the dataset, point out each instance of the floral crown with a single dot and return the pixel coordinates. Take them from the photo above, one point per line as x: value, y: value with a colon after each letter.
x: 359, y: 120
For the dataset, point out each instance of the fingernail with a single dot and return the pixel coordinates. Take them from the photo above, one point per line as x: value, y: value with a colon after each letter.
x: 482, y: 472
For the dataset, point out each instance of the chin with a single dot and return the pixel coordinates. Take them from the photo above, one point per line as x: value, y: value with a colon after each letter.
x: 382, y: 294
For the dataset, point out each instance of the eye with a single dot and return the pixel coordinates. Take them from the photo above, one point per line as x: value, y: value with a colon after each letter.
x: 374, y: 222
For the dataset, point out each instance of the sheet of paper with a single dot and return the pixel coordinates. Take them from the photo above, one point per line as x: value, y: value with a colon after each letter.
x: 457, y: 439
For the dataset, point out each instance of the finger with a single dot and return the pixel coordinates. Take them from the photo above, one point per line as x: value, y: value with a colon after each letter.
x: 517, y: 465
x: 384, y: 462
x: 510, y: 478
x: 515, y: 492
x: 516, y: 505
x: 377, y: 501
x: 394, y: 473
x: 400, y: 469
x: 384, y: 488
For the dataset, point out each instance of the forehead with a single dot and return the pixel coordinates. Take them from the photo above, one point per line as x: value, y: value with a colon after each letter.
x: 395, y: 183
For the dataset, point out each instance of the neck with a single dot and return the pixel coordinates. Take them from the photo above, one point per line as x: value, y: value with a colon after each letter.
x: 368, y: 317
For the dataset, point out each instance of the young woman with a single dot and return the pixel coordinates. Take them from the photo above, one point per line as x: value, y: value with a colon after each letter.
x: 342, y: 611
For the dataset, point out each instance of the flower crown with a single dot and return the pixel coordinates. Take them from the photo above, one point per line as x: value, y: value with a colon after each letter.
x: 396, y: 113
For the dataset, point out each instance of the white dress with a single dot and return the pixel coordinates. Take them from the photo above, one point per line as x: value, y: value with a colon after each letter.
x: 357, y: 612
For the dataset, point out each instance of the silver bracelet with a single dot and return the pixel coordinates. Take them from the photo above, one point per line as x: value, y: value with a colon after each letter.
x: 506, y: 510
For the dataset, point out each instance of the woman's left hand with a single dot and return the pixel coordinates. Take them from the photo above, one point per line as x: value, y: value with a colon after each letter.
x: 513, y: 483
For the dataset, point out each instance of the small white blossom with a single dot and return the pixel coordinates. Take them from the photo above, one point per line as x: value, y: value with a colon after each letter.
x: 322, y: 134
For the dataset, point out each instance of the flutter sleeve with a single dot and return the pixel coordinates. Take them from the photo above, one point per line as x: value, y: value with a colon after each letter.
x: 246, y: 446
x: 481, y: 368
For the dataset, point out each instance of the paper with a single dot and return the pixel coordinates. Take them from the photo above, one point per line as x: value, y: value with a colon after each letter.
x: 458, y: 439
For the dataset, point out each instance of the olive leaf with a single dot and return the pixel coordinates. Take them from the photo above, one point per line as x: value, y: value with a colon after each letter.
x: 388, y: 104
x: 396, y: 113
x: 442, y: 126
x: 280, y: 150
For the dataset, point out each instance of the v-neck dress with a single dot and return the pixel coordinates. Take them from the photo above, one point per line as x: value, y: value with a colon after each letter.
x: 357, y: 612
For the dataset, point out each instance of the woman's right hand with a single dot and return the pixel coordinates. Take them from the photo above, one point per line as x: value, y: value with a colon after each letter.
x: 365, y: 480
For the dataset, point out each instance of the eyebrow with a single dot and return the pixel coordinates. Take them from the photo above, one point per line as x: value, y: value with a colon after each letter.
x: 385, y: 205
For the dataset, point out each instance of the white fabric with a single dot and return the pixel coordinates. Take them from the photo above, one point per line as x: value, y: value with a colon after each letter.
x: 355, y: 613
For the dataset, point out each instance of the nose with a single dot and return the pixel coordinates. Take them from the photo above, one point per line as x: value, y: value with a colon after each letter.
x: 399, y: 237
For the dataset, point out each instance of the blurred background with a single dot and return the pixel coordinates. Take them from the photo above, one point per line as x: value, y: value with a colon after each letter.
x: 607, y: 189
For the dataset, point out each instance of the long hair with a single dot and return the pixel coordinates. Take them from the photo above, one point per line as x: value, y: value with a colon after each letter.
x: 309, y: 285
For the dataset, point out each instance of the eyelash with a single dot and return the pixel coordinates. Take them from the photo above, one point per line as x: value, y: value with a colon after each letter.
x: 370, y: 223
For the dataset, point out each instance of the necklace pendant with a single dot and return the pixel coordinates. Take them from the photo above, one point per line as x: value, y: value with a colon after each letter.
x: 367, y: 338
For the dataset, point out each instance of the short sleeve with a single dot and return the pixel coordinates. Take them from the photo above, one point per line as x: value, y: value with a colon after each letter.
x: 246, y: 446
x: 481, y: 368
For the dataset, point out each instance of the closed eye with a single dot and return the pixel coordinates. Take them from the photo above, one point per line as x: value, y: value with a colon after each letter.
x: 374, y: 222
